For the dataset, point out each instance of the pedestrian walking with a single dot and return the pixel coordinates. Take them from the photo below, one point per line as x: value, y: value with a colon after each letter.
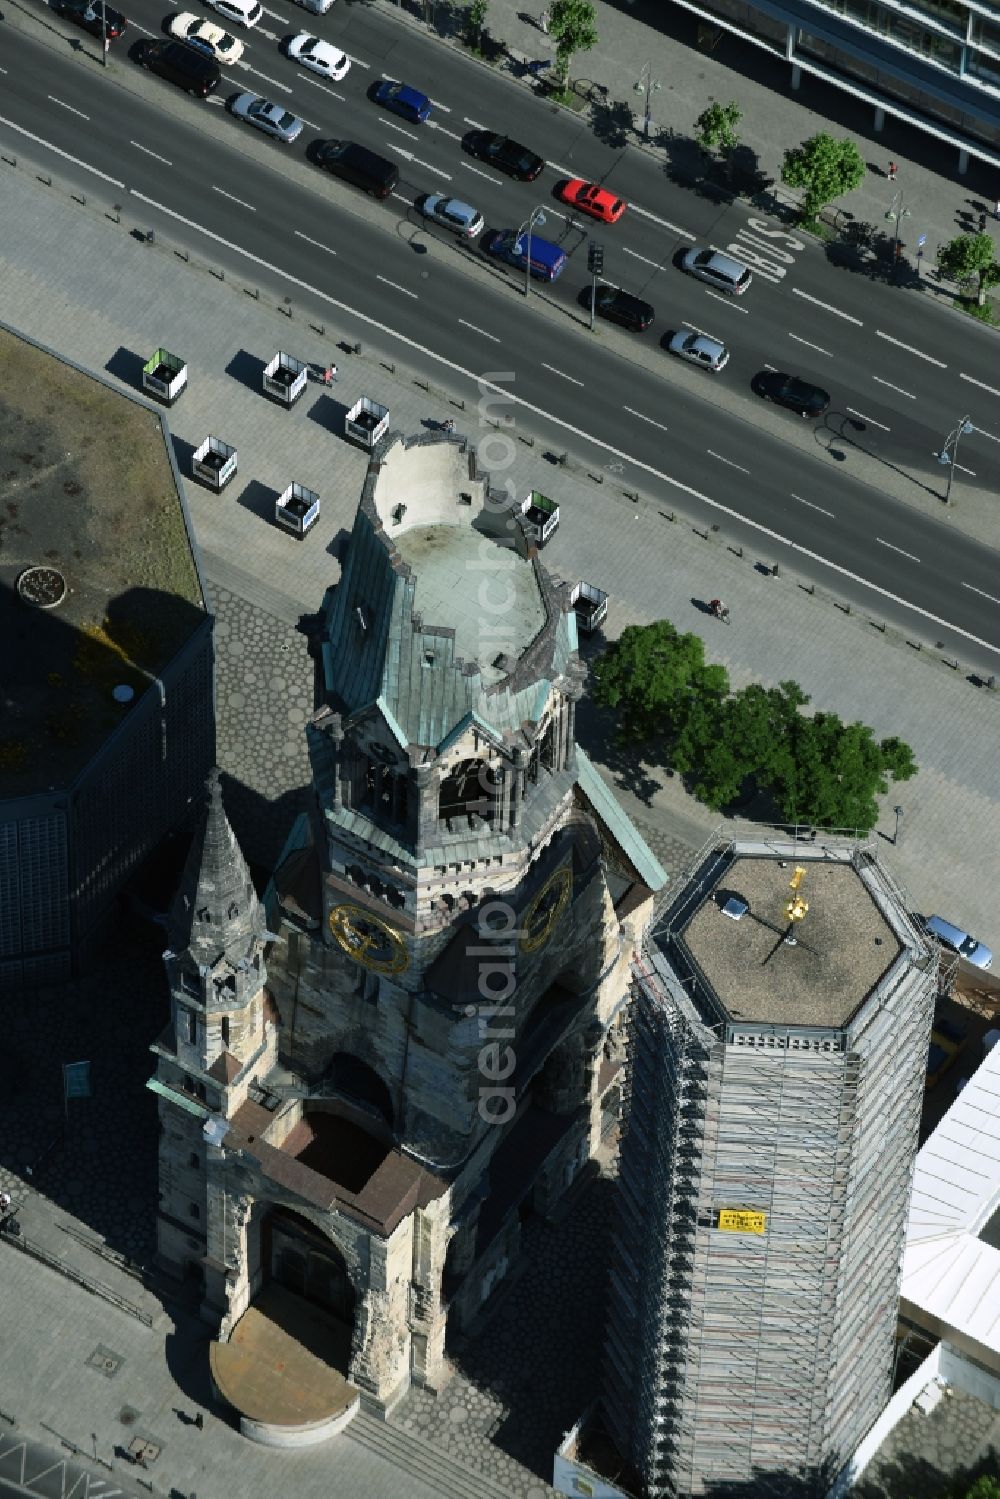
x: 5, y: 1202
x: 982, y: 223
x: 329, y: 374
x: 543, y: 21
x: 892, y: 171
x: 449, y: 425
x: 199, y: 1420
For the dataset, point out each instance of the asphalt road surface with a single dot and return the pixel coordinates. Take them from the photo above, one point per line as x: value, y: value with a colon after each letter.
x: 901, y: 372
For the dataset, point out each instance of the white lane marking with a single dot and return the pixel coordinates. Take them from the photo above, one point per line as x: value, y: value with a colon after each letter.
x: 664, y: 223
x: 982, y: 593
x: 811, y: 505
x: 391, y: 125
x: 981, y: 383
x: 564, y: 171
x: 879, y: 381
x: 325, y: 89
x: 910, y: 349
x: 505, y: 393
x: 222, y: 193
x: 703, y: 331
x: 892, y: 548
x: 452, y: 133
x: 274, y: 82
x: 851, y: 411
x: 497, y: 181
x: 481, y: 331
x: 963, y: 470
x: 409, y: 156
x: 560, y: 374
x: 982, y: 432
x: 642, y: 418
x: 148, y: 152
x: 402, y: 199
x: 272, y: 36
x: 318, y: 243
x: 396, y: 287
x: 474, y: 123
x: 358, y: 62
x: 66, y: 155
x: 283, y: 19
x: 808, y: 345
x: 728, y: 461
x: 827, y: 307
x: 656, y: 264
x: 72, y: 111
x: 730, y: 303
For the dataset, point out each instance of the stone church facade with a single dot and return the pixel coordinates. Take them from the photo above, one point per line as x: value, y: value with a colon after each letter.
x: 374, y: 1075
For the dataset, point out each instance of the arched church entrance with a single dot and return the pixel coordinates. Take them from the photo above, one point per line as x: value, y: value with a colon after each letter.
x: 304, y: 1261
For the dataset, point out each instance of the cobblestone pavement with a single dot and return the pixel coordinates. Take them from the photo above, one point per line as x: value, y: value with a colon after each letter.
x: 929, y: 1457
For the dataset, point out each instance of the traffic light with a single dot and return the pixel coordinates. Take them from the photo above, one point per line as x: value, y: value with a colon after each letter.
x: 595, y: 258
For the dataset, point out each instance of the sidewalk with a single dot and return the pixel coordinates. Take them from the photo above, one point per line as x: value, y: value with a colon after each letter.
x: 941, y: 203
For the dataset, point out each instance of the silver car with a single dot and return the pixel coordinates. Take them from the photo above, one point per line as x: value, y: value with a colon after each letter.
x: 273, y: 119
x: 706, y: 352
x: 720, y: 271
x: 451, y: 213
x: 317, y: 7
x: 970, y: 948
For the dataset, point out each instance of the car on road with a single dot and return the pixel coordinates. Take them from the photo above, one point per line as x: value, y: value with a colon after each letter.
x: 720, y: 271
x: 451, y: 213
x: 707, y: 353
x: 198, y: 33
x: 315, y: 7
x: 189, y: 67
x: 619, y: 306
x: 319, y: 57
x: 274, y: 119
x: 505, y: 154
x: 974, y: 952
x: 800, y: 396
x: 87, y: 13
x: 409, y: 103
x: 243, y: 12
x: 548, y: 261
x: 587, y: 197
x: 357, y: 165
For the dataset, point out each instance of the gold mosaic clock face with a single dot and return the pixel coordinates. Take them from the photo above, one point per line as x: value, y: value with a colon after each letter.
x: 369, y: 940
x: 546, y: 909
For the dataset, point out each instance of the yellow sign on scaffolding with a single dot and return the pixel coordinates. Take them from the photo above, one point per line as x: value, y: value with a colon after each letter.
x: 742, y: 1221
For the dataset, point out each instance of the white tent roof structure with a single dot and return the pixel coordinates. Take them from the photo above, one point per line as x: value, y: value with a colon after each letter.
x: 949, y: 1273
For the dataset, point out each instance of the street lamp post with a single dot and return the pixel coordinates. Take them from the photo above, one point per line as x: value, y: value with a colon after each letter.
x: 646, y: 82
x: 949, y: 452
x: 895, y: 213
x: 895, y: 837
x: 537, y: 216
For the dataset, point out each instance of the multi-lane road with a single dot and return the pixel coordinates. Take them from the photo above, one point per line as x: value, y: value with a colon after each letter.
x: 901, y: 371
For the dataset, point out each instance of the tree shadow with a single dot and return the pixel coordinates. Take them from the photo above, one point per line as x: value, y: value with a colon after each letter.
x: 869, y: 250
x: 597, y: 733
x: 612, y: 123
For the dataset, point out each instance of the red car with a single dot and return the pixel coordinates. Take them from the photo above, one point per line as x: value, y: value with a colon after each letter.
x: 594, y: 200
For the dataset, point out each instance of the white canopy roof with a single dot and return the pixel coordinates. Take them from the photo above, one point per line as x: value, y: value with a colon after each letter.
x: 947, y: 1270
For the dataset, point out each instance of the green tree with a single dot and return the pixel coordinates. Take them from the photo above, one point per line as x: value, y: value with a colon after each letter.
x: 832, y: 772
x: 969, y: 257
x: 653, y: 677
x: 573, y: 24
x: 824, y: 168
x: 716, y: 127
x: 475, y: 22
x: 752, y: 729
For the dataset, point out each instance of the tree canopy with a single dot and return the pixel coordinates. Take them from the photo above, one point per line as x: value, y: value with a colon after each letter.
x: 573, y: 25
x: 824, y: 168
x: 817, y: 769
x: 716, y: 127
x: 970, y: 257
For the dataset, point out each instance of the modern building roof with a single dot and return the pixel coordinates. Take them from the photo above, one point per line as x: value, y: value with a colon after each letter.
x: 98, y: 583
x: 736, y: 938
x: 951, y: 1274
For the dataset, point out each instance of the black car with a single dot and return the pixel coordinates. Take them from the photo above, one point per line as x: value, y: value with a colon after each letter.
x: 620, y: 307
x: 356, y: 164
x: 505, y: 154
x: 87, y: 13
x: 788, y: 390
x: 189, y: 67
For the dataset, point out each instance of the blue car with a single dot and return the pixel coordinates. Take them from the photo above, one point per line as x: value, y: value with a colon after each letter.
x: 403, y: 100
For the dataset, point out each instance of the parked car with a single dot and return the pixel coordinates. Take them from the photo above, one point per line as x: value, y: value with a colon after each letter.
x: 319, y: 57
x: 701, y: 350
x: 243, y: 12
x: 975, y: 952
x: 316, y: 7
x: 547, y: 260
x: 587, y: 197
x: 451, y: 213
x: 198, y: 33
x: 619, y: 306
x: 402, y: 100
x: 87, y: 13
x: 797, y: 395
x: 720, y: 271
x: 274, y: 119
x: 505, y: 154
x: 359, y: 166
x: 189, y: 67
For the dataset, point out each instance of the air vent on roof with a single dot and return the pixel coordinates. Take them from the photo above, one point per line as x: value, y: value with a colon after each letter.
x: 463, y: 498
x: 735, y: 908
x: 362, y: 615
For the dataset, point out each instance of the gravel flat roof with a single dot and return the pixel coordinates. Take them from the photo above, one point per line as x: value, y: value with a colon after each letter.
x: 87, y: 495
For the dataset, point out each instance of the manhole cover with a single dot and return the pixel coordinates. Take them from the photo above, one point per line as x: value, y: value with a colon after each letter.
x: 105, y: 1361
x: 42, y: 587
